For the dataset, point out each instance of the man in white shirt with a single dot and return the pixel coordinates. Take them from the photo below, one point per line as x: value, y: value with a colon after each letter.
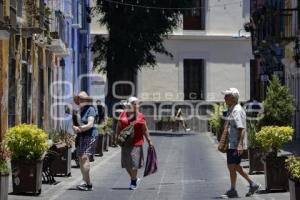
x: 237, y: 142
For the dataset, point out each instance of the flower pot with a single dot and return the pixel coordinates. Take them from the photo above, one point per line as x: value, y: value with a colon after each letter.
x: 27, y: 176
x: 255, y: 160
x: 4, y: 186
x: 105, y: 146
x: 294, y: 187
x: 99, y: 146
x: 61, y: 165
x: 276, y: 175
x: 110, y: 142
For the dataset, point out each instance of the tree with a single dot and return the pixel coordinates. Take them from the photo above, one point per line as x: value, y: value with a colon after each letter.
x: 135, y: 36
x: 279, y: 105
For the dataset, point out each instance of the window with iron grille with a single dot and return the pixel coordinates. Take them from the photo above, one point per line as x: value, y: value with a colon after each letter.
x: 12, y: 92
x: 13, y: 13
x: 195, y: 19
x: 193, y: 79
x: 2, y: 4
x: 19, y: 8
x: 68, y: 8
x: 41, y: 94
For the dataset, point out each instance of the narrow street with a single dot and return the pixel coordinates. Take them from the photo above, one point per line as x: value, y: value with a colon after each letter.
x: 190, y: 168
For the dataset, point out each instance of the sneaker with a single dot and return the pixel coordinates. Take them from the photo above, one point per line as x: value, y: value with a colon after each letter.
x: 253, y: 189
x: 85, y: 187
x: 134, y: 184
x: 230, y: 194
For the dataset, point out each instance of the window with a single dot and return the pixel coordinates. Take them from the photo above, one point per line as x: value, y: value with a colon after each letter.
x: 79, y: 13
x: 193, y: 79
x: 68, y: 8
x: 195, y: 19
x: 12, y: 92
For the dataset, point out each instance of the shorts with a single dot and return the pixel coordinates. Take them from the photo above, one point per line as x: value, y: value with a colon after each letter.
x: 86, y: 145
x: 233, y: 157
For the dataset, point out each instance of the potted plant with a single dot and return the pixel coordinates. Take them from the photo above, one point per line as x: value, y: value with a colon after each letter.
x: 255, y: 153
x: 109, y: 131
x: 293, y: 167
x: 272, y: 139
x: 27, y: 144
x: 62, y: 146
x: 4, y: 172
x: 215, y: 120
x: 100, y: 140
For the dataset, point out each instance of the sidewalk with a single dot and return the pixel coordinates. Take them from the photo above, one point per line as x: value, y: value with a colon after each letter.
x: 50, y: 192
x: 259, y: 178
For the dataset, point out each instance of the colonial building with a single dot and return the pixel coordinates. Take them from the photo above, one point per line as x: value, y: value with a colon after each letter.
x: 211, y: 52
x: 44, y: 52
x: 275, y: 28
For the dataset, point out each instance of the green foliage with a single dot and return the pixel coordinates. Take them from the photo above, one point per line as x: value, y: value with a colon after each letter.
x: 4, y: 157
x: 279, y: 105
x: 251, y: 133
x: 215, y: 120
x: 26, y: 142
x: 62, y: 136
x: 274, y: 137
x: 135, y: 37
x: 106, y: 127
x: 293, y: 167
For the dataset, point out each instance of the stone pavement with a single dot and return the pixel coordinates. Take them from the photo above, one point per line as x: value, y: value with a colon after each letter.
x: 190, y: 168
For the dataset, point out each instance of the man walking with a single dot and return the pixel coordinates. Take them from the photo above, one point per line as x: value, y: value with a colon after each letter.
x: 236, y: 127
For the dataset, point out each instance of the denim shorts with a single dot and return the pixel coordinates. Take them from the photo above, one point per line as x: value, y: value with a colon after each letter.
x: 233, y: 157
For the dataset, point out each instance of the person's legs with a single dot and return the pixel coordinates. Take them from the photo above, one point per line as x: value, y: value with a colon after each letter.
x: 85, y: 168
x: 134, y: 174
x: 240, y: 170
x: 129, y: 171
x: 233, y: 175
x: 253, y: 186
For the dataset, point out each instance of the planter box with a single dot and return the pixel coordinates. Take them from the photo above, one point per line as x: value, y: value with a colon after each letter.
x: 100, y: 145
x: 256, y: 163
x: 294, y: 187
x: 105, y: 145
x: 4, y: 186
x: 27, y: 176
x: 110, y: 142
x: 62, y: 163
x: 276, y: 175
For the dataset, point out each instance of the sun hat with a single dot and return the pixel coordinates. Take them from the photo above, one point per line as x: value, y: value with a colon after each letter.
x: 82, y: 95
x: 232, y: 91
x: 132, y: 99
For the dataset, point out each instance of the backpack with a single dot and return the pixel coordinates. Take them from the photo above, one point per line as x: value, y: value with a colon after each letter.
x: 126, y: 136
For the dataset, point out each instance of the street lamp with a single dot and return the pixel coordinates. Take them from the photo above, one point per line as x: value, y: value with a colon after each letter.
x: 297, y: 53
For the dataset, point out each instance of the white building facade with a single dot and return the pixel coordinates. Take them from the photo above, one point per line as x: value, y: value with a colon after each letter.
x: 206, y: 61
x: 211, y: 52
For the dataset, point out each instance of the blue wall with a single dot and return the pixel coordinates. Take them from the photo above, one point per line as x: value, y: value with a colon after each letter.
x: 77, y: 63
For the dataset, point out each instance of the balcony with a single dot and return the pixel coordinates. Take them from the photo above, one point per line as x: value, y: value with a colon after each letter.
x: 277, y: 24
x: 4, y: 28
x: 58, y: 40
x: 35, y: 16
x: 58, y: 47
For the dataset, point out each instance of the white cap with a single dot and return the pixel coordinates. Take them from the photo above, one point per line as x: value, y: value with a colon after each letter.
x: 232, y: 91
x: 132, y: 99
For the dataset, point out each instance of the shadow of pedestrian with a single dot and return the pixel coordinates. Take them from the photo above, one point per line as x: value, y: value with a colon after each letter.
x: 120, y: 188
